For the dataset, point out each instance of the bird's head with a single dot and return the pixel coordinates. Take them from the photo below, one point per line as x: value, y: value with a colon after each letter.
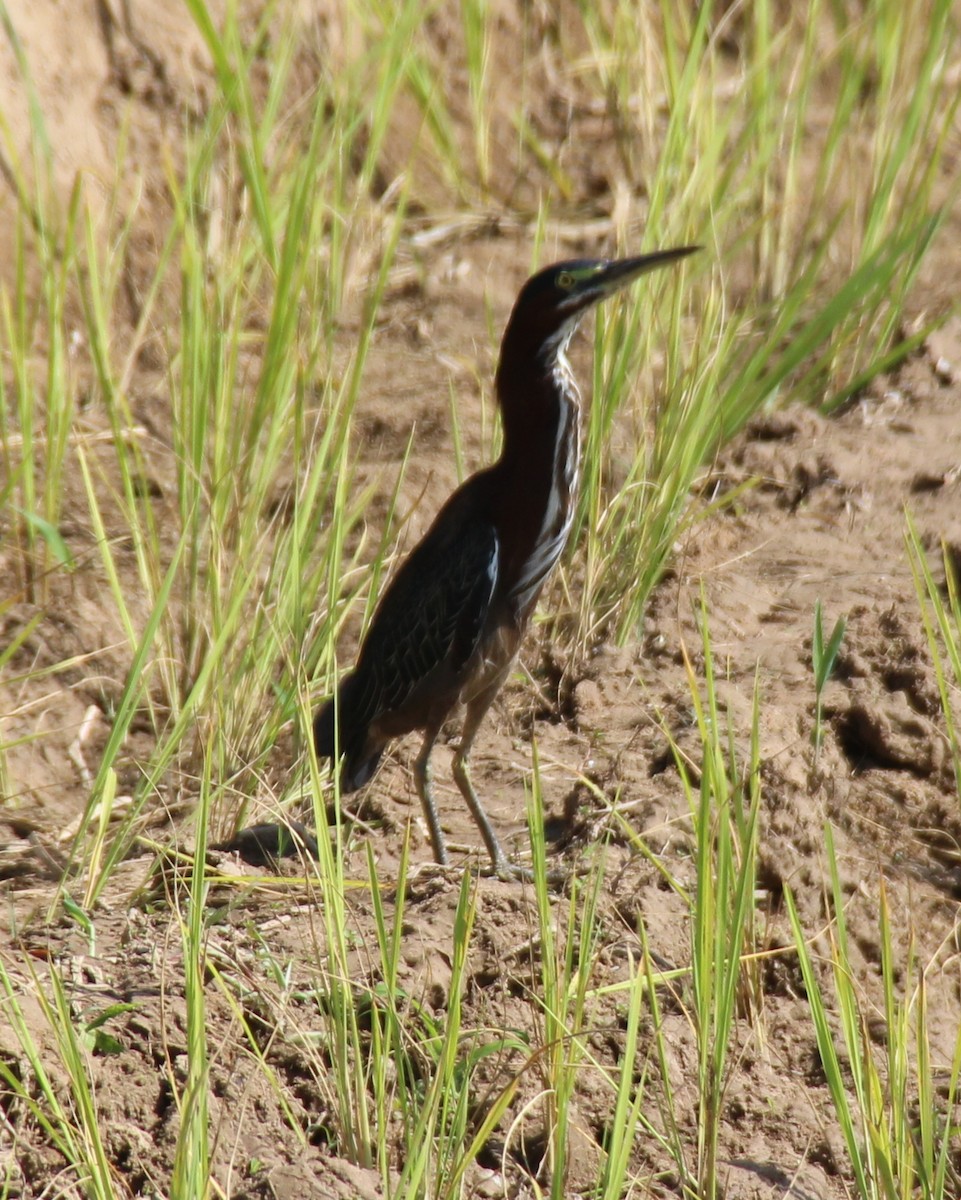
x: 552, y: 302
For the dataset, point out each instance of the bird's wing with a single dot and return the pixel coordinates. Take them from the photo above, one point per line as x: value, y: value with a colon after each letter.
x: 430, y: 618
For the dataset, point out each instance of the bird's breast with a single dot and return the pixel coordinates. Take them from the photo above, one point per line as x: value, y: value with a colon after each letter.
x: 495, y: 655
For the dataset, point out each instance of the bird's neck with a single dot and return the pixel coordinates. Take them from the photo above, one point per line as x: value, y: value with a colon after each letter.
x: 537, y: 394
x: 538, y: 469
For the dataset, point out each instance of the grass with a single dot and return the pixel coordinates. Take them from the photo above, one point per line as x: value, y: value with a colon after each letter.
x: 896, y: 1116
x: 723, y: 917
x: 235, y: 541
x: 823, y: 660
x: 941, y: 618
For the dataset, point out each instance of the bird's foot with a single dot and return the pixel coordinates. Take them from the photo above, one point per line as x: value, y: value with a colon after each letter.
x: 507, y: 871
x: 510, y: 872
x: 434, y: 872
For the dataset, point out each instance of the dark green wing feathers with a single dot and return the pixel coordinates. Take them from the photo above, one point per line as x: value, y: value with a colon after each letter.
x: 425, y: 629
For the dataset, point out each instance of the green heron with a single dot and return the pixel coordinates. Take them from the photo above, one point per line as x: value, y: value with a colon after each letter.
x: 450, y: 623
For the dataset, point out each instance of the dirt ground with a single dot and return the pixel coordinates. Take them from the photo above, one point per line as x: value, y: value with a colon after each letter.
x: 825, y: 522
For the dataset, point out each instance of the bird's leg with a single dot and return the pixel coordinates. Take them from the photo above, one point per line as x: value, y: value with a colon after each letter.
x: 423, y: 779
x: 476, y: 711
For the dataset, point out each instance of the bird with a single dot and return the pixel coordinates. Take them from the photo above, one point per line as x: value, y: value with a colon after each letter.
x: 450, y: 623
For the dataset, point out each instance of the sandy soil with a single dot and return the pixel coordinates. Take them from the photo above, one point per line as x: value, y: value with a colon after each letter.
x: 826, y: 521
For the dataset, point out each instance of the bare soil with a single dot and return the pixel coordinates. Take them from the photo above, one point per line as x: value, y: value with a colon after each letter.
x: 825, y: 520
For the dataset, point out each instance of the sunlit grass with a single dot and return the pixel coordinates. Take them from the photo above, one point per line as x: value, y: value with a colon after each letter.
x: 895, y: 1111
x: 823, y: 659
x: 941, y: 618
x: 830, y: 260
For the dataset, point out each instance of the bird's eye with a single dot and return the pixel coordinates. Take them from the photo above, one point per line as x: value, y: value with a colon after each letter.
x: 565, y: 280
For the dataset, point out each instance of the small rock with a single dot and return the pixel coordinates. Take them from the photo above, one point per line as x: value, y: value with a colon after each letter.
x: 944, y: 349
x: 489, y: 1184
x: 588, y: 699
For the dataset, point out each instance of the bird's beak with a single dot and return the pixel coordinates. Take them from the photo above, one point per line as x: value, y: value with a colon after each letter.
x: 622, y: 271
